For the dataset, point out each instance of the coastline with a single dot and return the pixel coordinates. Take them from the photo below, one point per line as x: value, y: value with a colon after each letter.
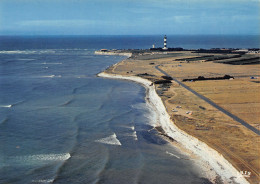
x: 213, y: 162
x: 113, y: 53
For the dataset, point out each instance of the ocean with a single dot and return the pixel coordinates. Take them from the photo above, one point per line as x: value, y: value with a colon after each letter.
x: 59, y: 123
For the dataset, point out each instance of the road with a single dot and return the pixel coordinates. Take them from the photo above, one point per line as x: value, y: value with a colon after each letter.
x: 242, y: 122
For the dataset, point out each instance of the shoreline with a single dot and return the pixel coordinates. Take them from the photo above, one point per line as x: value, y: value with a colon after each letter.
x: 213, y: 165
x: 113, y: 53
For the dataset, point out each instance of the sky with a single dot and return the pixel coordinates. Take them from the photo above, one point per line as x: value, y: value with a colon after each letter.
x: 129, y: 17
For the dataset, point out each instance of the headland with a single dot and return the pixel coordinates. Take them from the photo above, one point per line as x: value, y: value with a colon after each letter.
x: 207, y: 101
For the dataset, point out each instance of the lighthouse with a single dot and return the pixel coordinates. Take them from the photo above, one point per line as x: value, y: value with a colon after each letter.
x: 165, y: 43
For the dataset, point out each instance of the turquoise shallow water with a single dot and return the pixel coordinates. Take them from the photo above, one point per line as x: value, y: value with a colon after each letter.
x: 59, y: 123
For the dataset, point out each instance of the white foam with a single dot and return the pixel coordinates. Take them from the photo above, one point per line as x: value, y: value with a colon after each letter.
x: 16, y: 52
x: 48, y: 76
x: 173, y: 155
x: 26, y: 59
x: 206, y: 154
x: 44, y: 63
x: 127, y: 127
x: 6, y: 106
x: 45, y: 157
x: 27, y: 51
x: 135, y: 136
x: 11, y: 105
x: 43, y: 181
x: 51, y: 76
x: 152, y: 116
x: 112, y: 140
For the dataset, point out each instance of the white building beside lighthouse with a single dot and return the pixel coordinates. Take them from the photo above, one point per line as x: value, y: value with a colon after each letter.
x: 165, y: 43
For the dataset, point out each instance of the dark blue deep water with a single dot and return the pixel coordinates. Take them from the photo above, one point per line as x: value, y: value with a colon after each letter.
x: 59, y: 123
x: 128, y: 42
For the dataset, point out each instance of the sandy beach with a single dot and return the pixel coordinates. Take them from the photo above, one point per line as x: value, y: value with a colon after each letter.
x: 179, y: 111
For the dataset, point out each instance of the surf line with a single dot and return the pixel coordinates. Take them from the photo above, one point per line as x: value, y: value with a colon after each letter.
x: 173, y: 155
x: 112, y: 140
x: 6, y: 106
x: 11, y: 105
x: 206, y: 154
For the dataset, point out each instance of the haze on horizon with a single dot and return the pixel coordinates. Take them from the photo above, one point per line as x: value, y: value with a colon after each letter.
x: 129, y: 17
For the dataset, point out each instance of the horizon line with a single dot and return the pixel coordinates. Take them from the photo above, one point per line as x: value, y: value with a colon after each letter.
x: 129, y: 34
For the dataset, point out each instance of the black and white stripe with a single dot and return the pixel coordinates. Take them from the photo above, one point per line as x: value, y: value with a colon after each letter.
x: 165, y: 42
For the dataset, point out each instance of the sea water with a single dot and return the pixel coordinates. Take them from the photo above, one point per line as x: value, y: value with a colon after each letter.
x: 59, y: 123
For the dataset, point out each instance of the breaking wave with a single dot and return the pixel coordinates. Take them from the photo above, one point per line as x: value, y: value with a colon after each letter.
x: 27, y: 51
x: 43, y: 181
x: 11, y: 105
x: 6, y: 106
x: 132, y: 127
x: 134, y: 135
x: 112, y: 140
x: 43, y: 157
x: 44, y: 63
x: 51, y: 76
x: 171, y: 154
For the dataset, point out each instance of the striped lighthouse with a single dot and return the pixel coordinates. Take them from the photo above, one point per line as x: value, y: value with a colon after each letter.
x: 165, y: 43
